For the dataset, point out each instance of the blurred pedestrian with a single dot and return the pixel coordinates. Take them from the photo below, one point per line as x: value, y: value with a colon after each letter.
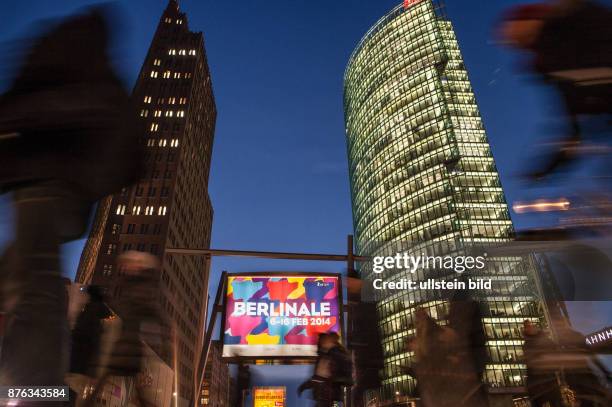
x: 86, y: 341
x: 138, y: 309
x: 332, y: 373
x: 543, y: 383
x: 67, y: 138
x: 570, y: 47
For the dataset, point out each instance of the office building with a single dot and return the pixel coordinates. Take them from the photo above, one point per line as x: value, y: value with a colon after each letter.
x: 217, y: 387
x: 421, y: 170
x: 170, y: 206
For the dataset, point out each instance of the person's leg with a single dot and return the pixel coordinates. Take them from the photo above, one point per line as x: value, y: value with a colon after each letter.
x: 33, y: 349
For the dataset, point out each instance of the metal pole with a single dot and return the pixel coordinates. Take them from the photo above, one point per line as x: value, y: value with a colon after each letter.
x: 263, y: 255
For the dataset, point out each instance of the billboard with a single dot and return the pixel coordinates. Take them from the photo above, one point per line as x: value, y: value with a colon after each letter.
x: 279, y: 315
x: 269, y: 396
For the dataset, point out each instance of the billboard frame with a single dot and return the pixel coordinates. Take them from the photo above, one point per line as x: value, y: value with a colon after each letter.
x: 282, y: 359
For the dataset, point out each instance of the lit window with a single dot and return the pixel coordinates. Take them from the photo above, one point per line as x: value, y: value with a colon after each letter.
x: 182, y: 52
x: 169, y: 113
x: 171, y: 101
x: 172, y: 52
x: 150, y: 142
x: 179, y: 21
x: 187, y: 75
x: 162, y: 142
x: 157, y: 113
x: 162, y: 210
x: 153, y: 74
x: 136, y: 210
x: 154, y: 126
x: 144, y: 113
x: 177, y: 75
x: 157, y: 62
x: 167, y: 74
x: 182, y: 101
x: 167, y: 20
x: 147, y: 99
x: 174, y: 142
x: 120, y: 210
x: 108, y: 269
x: 180, y: 113
x: 192, y: 52
x: 149, y: 210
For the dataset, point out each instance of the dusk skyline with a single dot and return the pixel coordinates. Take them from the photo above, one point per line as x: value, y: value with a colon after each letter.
x: 279, y: 174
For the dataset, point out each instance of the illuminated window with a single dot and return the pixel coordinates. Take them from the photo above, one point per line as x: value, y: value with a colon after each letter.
x: 177, y: 75
x: 147, y: 99
x: 149, y: 210
x: 144, y: 113
x: 116, y: 229
x: 162, y: 142
x: 174, y: 142
x: 171, y: 101
x: 179, y: 21
x: 167, y: 74
x: 182, y: 101
x: 192, y: 52
x: 153, y: 74
x: 172, y: 52
x: 180, y: 113
x: 169, y: 113
x: 157, y: 62
x: 157, y: 113
x: 136, y: 210
x: 107, y: 270
x: 162, y: 210
x: 111, y: 248
x: 187, y: 75
x: 150, y: 142
x: 154, y: 126
x: 182, y: 52
x: 167, y: 20
x: 120, y: 210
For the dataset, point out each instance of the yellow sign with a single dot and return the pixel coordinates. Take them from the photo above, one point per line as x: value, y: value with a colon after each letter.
x: 269, y: 396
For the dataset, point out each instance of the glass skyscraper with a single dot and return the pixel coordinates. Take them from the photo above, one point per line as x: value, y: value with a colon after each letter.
x: 421, y: 170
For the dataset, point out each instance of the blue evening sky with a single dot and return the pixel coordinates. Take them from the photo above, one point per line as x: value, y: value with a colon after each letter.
x: 279, y: 178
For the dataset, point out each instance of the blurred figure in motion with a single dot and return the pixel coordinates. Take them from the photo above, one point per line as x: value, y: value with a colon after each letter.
x: 543, y: 383
x: 87, y: 338
x: 570, y: 42
x: 137, y: 308
x: 450, y: 360
x: 67, y: 138
x: 243, y: 384
x: 333, y: 372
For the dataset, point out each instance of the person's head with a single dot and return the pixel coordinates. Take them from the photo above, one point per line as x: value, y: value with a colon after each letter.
x: 520, y: 26
x: 134, y: 263
x: 328, y: 340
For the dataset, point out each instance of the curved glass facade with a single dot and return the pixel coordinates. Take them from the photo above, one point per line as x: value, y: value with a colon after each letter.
x: 421, y: 170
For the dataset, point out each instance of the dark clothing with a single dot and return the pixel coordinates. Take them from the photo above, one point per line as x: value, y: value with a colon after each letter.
x: 139, y: 303
x: 86, y: 338
x: 34, y: 348
x: 542, y: 383
x: 67, y: 116
x: 67, y: 138
x: 338, y: 374
x: 578, y: 39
